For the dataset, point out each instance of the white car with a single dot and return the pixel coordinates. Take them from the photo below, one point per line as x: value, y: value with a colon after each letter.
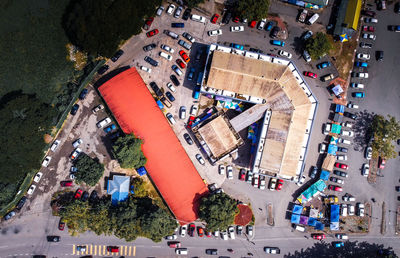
x: 97, y: 108
x: 46, y: 161
x: 262, y: 23
x: 300, y: 182
x: 262, y: 183
x: 170, y: 9
x: 160, y: 10
x: 370, y: 20
x: 351, y: 209
x: 361, y: 75
x: 182, y: 112
x: 327, y: 129
x: 38, y: 177
x: 360, y: 209
x: 76, y: 143
x: 229, y: 172
x: 341, y: 236
x: 344, y: 141
x: 357, y: 85
x: 347, y: 124
x: 200, y: 159
x: 31, y: 189
x: 237, y: 28
x: 171, y: 237
x: 171, y: 87
x: 198, y: 18
x: 103, y: 122
x: 183, y: 230
x: 224, y: 235
x: 214, y: 32
x: 351, y: 105
x: 343, y: 210
x: 250, y: 230
x: 188, y: 37
x: 363, y: 56
x: 193, y: 110
x: 368, y: 36
x: 365, y: 169
x: 216, y: 233
x: 256, y: 180
x: 221, y: 169
x: 341, y: 157
x: 181, y: 251
x: 55, y: 145
x: 167, y: 48
x: 178, y: 12
x: 146, y: 69
x: 347, y: 133
x: 368, y: 153
x: 231, y: 231
x: 171, y: 118
x: 165, y: 55
x: 76, y: 153
x: 285, y: 54
x: 322, y: 148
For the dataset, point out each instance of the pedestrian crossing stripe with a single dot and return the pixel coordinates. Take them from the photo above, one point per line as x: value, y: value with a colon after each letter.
x: 102, y: 250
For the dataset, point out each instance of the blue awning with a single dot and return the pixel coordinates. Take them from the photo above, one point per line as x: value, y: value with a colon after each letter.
x: 324, y: 175
x: 297, y: 209
x: 295, y: 219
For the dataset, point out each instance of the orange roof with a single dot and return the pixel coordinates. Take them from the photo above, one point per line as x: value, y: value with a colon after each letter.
x: 168, y: 165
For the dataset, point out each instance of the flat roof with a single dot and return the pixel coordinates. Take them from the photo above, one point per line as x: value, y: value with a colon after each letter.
x: 168, y: 165
x: 219, y: 136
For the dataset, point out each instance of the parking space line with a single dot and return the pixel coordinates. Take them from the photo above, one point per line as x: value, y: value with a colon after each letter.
x: 134, y: 250
x: 95, y: 250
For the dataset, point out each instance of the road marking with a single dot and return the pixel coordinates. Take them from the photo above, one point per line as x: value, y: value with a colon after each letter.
x: 73, y: 249
x: 134, y: 250
x: 129, y: 250
x: 95, y: 250
x: 104, y: 249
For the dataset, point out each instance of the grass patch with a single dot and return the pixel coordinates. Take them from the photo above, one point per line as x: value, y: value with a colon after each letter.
x: 343, y: 52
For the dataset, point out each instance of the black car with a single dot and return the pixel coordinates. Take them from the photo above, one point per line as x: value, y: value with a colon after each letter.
x: 115, y: 135
x: 156, y: 89
x: 379, y: 55
x: 256, y: 50
x: 74, y: 109
x: 170, y: 96
x: 397, y: 7
x: 227, y: 18
x: 397, y: 188
x: 188, y: 139
x: 239, y: 230
x: 149, y: 47
x: 314, y: 172
x: 212, y: 251
x: 117, y: 55
x: 83, y: 94
x: 174, y: 80
x: 342, y: 149
x: 274, y: 32
x: 103, y: 69
x: 340, y: 173
x: 350, y: 115
x: 53, y: 239
x: 93, y: 196
x: 186, y: 14
x: 199, y: 54
x: 21, y: 203
x: 150, y: 61
x: 85, y: 196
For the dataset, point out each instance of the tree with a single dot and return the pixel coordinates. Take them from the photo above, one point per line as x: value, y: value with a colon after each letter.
x: 89, y: 170
x: 139, y: 187
x: 318, y: 45
x: 127, y: 150
x: 193, y: 3
x: 385, y: 131
x: 76, y: 215
x: 99, y: 26
x: 99, y: 219
x: 218, y: 211
x: 253, y: 9
x: 158, y: 224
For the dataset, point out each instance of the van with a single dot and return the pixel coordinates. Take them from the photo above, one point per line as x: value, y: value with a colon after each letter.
x: 171, y: 34
x: 300, y: 228
x: 198, y: 18
x: 177, y: 25
x: 313, y: 19
x: 166, y: 102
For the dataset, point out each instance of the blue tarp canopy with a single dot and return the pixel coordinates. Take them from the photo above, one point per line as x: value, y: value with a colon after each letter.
x: 312, y: 221
x: 324, y: 175
x: 297, y: 209
x: 295, y: 218
x: 339, y: 108
x: 338, y: 118
x: 142, y: 171
x: 332, y: 149
x: 319, y: 226
x: 335, y: 213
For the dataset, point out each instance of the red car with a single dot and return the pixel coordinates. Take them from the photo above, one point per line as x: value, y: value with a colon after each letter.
x: 61, y: 225
x: 214, y: 19
x: 341, y: 165
x: 113, y: 249
x: 335, y: 188
x: 181, y: 63
x: 174, y: 244
x: 279, y: 185
x: 148, y: 23
x: 311, y: 75
x: 208, y: 234
x: 66, y: 183
x: 152, y: 33
x: 200, y: 231
x: 78, y: 194
x: 253, y: 24
x: 381, y: 163
x: 236, y: 19
x: 242, y: 175
x: 190, y: 123
x: 191, y: 230
x: 318, y: 236
x: 184, y: 56
x: 368, y: 28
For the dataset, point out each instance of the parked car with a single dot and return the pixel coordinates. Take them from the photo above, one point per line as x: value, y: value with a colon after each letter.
x: 184, y: 44
x: 171, y: 34
x: 117, y: 55
x: 170, y: 118
x: 186, y: 14
x: 311, y: 75
x: 379, y: 55
x: 357, y: 85
x: 103, y: 69
x: 231, y: 232
x: 361, y: 64
x: 184, y: 56
x: 360, y: 209
x: 31, y: 189
x: 214, y: 18
x: 178, y: 12
x: 341, y: 165
x: 229, y: 172
x: 150, y: 61
x: 358, y: 95
x: 314, y: 172
x: 342, y: 149
x: 365, y: 45
x: 368, y: 28
x: 21, y: 203
x: 66, y: 183
x: 277, y: 43
x: 322, y: 148
x: 37, y: 177
x: 214, y: 32
x: 249, y: 176
x: 350, y: 115
x: 272, y: 184
x: 347, y: 133
x: 188, y: 37
x: 381, y: 163
x: 351, y: 209
x: 368, y: 36
x: 46, y: 161
x: 78, y: 194
x: 237, y: 46
x: 192, y: 229
x: 200, y: 159
x: 365, y: 169
x: 363, y: 56
x: 368, y: 153
x: 279, y: 185
x: 237, y: 28
x: 148, y: 23
x: 370, y: 20
x: 307, y: 35
x: 177, y: 70
x: 285, y: 54
x: 301, y: 180
x: 327, y: 77
x: 341, y: 157
x: 323, y: 65
x: 337, y: 244
x: 306, y: 56
x: 262, y: 183
x: 53, y: 238
x: 340, y: 173
x: 318, y: 236
x: 170, y: 9
x: 9, y: 215
x: 183, y: 230
x: 336, y: 180
x: 188, y: 139
x: 249, y: 230
x: 274, y: 32
x: 160, y: 10
x: 272, y: 250
x: 167, y: 48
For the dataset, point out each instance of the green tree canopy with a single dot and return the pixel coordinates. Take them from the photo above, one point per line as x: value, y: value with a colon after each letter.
x: 318, y: 45
x: 99, y: 26
x: 89, y: 170
x: 76, y: 215
x: 193, y: 3
x: 128, y: 151
x: 385, y: 131
x: 218, y: 211
x: 158, y: 224
x: 139, y: 187
x: 253, y: 9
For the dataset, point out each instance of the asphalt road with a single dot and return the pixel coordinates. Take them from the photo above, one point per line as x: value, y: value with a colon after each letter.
x: 25, y: 235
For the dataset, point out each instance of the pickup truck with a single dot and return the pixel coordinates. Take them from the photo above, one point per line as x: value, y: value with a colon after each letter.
x: 303, y: 16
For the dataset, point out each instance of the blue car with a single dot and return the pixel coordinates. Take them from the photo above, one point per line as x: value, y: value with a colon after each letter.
x: 196, y: 92
x: 191, y: 74
x: 277, y: 43
x: 361, y: 64
x: 170, y: 96
x: 83, y: 94
x: 237, y: 46
x: 110, y: 128
x: 323, y: 65
x: 177, y: 25
x: 269, y: 26
x: 74, y: 109
x: 338, y: 244
x: 358, y: 95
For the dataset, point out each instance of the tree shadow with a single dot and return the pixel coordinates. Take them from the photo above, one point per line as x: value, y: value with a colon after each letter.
x: 362, y: 130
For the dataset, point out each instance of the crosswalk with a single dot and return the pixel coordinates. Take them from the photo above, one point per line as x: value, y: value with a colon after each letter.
x: 102, y: 250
